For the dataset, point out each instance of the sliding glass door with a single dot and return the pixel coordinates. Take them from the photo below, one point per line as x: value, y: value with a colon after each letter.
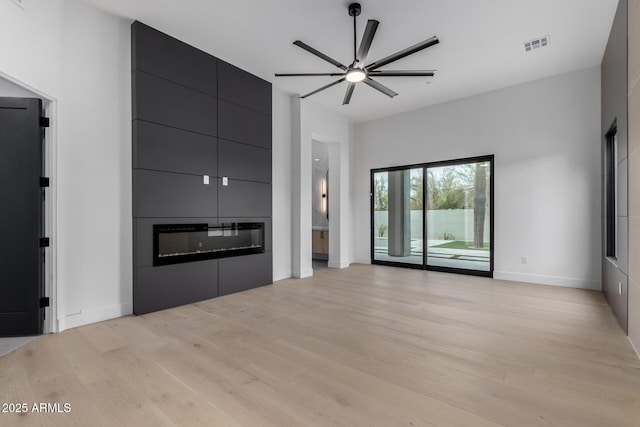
x: 455, y: 231
x: 458, y: 216
x: 397, y: 216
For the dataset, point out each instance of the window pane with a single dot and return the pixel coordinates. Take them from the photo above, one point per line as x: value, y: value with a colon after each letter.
x: 458, y: 216
x: 397, y: 216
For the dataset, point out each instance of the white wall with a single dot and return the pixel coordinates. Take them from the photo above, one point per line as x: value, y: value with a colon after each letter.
x: 314, y: 122
x: 281, y: 185
x: 11, y: 90
x: 545, y: 137
x: 81, y: 57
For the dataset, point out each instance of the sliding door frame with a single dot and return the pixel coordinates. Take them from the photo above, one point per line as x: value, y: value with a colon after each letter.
x: 372, y: 236
x: 425, y: 166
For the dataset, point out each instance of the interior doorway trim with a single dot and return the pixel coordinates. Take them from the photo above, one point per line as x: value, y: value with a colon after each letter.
x: 50, y: 108
x: 335, y: 205
x: 304, y: 131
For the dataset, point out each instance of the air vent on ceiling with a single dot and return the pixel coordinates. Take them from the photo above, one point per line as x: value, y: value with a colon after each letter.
x: 536, y: 43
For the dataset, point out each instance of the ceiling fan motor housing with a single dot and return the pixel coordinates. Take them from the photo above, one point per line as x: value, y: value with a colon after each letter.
x: 355, y: 9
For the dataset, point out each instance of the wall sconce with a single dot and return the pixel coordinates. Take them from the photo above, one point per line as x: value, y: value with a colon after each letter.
x: 324, y: 190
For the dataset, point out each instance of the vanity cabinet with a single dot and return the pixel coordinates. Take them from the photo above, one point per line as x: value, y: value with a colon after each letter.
x: 320, y: 242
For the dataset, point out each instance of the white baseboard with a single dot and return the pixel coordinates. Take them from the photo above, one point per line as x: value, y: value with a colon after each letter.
x: 362, y: 261
x: 304, y: 273
x: 567, y: 282
x: 338, y: 264
x: 94, y: 315
x: 284, y: 276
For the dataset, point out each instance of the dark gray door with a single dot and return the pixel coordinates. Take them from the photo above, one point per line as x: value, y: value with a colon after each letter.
x: 21, y: 205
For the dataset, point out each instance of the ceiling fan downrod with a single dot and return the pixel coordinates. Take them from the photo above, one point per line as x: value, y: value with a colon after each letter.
x: 355, y: 10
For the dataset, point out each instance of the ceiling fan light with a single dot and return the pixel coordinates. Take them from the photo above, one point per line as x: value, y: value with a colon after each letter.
x: 356, y: 75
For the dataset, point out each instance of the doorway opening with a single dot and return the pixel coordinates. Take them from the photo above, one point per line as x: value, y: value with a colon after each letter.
x: 319, y: 205
x: 12, y: 89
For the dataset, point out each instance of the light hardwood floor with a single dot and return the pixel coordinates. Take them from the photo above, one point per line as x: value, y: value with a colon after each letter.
x: 368, y: 345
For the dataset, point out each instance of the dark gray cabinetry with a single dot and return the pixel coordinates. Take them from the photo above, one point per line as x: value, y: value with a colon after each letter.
x: 614, y: 110
x: 170, y: 104
x: 158, y: 54
x: 173, y: 150
x: 244, y: 162
x: 242, y: 273
x: 244, y: 198
x: 234, y: 125
x: 168, y: 194
x: 196, y: 116
x: 157, y: 288
x: 242, y: 88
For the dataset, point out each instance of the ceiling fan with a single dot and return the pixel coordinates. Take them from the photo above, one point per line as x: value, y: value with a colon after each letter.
x: 358, y: 71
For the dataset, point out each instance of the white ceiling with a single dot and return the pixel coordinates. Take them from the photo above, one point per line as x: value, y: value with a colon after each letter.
x: 480, y: 42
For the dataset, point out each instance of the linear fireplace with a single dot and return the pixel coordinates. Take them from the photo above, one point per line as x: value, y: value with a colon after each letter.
x: 177, y: 243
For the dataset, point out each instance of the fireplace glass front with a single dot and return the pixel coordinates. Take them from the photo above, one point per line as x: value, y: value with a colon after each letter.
x: 177, y: 243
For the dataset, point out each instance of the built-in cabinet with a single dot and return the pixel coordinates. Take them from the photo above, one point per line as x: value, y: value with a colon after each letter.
x: 615, y: 267
x: 633, y: 189
x: 201, y: 155
x: 320, y: 242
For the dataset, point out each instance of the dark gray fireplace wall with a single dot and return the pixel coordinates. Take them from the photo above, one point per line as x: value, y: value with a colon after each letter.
x: 195, y: 115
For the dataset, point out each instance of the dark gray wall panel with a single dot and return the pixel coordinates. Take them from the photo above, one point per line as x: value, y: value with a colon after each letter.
x: 176, y: 116
x: 246, y: 272
x: 173, y: 150
x: 615, y: 288
x: 168, y: 286
x: 244, y: 199
x: 243, y: 88
x: 165, y: 194
x: 161, y: 101
x: 614, y: 108
x: 614, y: 80
x: 162, y: 55
x: 242, y: 161
x: 240, y: 124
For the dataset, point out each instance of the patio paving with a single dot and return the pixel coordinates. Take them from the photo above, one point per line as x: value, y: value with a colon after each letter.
x: 470, y: 259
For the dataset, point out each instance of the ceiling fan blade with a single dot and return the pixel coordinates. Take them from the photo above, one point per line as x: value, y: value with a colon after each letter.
x: 378, y: 86
x: 367, y: 38
x: 403, y: 53
x: 402, y: 73
x: 323, y: 88
x: 319, y: 54
x: 347, y: 96
x: 308, y: 74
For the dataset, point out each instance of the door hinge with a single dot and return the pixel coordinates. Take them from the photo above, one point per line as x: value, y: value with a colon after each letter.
x: 44, y: 122
x: 44, y: 242
x: 44, y: 181
x: 44, y: 302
